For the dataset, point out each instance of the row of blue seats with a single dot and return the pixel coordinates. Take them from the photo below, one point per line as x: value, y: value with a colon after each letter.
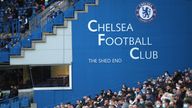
x: 21, y: 10
x: 36, y: 32
x: 23, y: 102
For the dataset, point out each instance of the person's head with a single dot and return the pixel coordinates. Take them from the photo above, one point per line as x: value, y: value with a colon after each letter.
x: 15, y: 87
x: 141, y: 101
x: 111, y: 106
x: 189, y: 93
x: 172, y: 104
x: 77, y: 101
x: 158, y: 104
x: 115, y: 94
x: 154, y: 82
x: 166, y: 103
x: 166, y: 73
x: 133, y: 88
x: 144, y: 86
x: 187, y: 79
x: 102, y: 92
x: 148, y: 104
x: 168, y: 89
x: 187, y: 102
x: 137, y: 90
x: 128, y: 89
x: 62, y: 105
x: 130, y: 106
x: 180, y: 82
x: 124, y: 86
x: 12, y: 86
x: 169, y: 81
x: 178, y: 86
x: 109, y: 92
x: 176, y: 73
x: 134, y: 106
x: 106, y: 102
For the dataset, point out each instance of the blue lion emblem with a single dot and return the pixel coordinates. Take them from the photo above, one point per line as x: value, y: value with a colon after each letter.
x: 146, y: 12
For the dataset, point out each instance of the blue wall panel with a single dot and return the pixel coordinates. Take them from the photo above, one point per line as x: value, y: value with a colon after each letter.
x: 170, y: 34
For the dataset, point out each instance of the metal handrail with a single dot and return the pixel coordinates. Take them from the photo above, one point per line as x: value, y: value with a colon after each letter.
x: 41, y: 19
x: 36, y: 21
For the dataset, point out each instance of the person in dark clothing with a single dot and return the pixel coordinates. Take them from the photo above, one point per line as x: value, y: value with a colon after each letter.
x: 13, y: 92
x: 21, y: 2
x: 177, y: 76
x: 179, y: 101
x: 1, y: 95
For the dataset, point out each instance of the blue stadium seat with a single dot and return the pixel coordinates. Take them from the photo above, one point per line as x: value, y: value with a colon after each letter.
x: 80, y: 6
x: 16, y: 49
x: 48, y: 26
x: 4, y: 56
x: 69, y: 13
x: 26, y: 43
x: 6, y: 105
x: 36, y: 34
x: 59, y: 19
x: 15, y: 104
x: 24, y: 102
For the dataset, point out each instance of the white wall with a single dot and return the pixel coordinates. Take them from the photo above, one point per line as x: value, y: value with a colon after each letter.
x: 56, y: 50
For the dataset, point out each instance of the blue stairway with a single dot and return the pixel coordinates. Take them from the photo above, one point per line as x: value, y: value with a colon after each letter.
x: 56, y: 19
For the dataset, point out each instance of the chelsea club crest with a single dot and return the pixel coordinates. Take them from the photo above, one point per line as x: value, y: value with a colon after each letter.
x: 146, y: 12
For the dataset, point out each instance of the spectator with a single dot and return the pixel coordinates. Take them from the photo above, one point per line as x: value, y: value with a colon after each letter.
x: 13, y: 92
x: 148, y: 104
x: 166, y: 103
x: 163, y: 92
x: 187, y: 102
x: 1, y: 95
x: 158, y: 104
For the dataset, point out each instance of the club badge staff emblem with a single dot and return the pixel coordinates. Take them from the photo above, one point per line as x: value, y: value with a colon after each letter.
x: 146, y: 12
